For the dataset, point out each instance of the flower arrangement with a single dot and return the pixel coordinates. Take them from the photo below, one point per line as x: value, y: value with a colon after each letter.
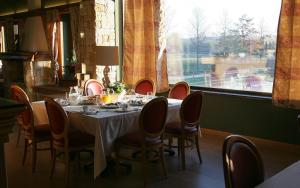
x: 118, y: 87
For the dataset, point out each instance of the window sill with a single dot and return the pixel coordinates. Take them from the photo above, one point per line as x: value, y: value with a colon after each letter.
x: 238, y: 93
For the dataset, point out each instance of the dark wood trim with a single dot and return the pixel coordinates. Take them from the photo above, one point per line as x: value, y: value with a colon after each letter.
x: 62, y: 9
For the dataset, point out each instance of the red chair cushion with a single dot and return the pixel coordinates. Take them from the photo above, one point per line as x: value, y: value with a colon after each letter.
x: 143, y: 87
x: 136, y: 139
x: 175, y: 128
x: 180, y: 91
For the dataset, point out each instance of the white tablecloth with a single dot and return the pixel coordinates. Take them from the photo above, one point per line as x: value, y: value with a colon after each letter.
x: 39, y: 113
x: 106, y: 126
x: 287, y: 178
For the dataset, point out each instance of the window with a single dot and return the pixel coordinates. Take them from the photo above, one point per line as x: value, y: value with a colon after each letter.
x: 67, y: 53
x: 2, y: 47
x: 222, y: 44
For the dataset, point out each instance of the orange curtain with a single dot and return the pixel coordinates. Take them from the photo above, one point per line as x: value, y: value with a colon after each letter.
x: 51, y: 26
x: 144, y: 43
x: 286, y: 89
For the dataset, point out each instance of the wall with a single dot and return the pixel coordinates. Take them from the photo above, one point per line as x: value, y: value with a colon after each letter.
x: 87, y: 29
x: 97, y: 22
x: 249, y: 116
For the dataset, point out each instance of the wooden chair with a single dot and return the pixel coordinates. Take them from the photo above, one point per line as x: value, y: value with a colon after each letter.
x: 145, y: 85
x: 93, y: 87
x: 149, y: 137
x: 33, y: 134
x: 189, y: 127
x: 65, y: 140
x: 179, y: 91
x: 243, y: 166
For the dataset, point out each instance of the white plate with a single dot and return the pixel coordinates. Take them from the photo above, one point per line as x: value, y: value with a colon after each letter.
x: 109, y: 106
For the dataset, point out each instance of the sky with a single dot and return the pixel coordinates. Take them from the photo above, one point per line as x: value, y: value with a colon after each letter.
x: 213, y: 10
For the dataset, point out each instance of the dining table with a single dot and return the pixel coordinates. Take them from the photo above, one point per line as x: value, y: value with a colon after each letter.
x: 106, y: 124
x: 287, y: 178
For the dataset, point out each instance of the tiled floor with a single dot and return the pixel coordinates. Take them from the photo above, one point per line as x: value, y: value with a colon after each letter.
x: 276, y: 156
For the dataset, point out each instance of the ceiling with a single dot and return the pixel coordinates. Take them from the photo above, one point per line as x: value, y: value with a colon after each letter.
x: 15, y: 6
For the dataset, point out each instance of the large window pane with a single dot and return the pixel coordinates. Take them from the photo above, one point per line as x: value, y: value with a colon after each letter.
x: 222, y: 44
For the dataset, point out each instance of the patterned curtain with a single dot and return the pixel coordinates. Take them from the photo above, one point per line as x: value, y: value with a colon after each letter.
x: 74, y: 21
x: 286, y: 89
x: 1, y: 39
x: 144, y: 43
x: 51, y: 26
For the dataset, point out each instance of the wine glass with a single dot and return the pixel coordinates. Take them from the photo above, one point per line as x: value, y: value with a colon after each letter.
x: 149, y: 95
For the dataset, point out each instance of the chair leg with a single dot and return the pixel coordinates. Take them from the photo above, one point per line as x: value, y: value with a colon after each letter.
x: 178, y: 146
x: 162, y: 160
x: 51, y: 148
x: 67, y: 168
x: 33, y: 156
x: 25, y: 152
x: 53, y: 160
x: 182, y: 143
x: 170, y: 142
x: 78, y: 160
x: 19, y: 135
x: 117, y: 161
x: 144, y: 163
x: 198, y: 148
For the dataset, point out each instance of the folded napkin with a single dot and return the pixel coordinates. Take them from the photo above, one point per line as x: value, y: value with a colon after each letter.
x: 129, y: 109
x: 73, y: 108
x: 174, y: 101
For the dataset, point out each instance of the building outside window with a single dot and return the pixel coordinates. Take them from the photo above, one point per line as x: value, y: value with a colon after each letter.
x: 222, y: 44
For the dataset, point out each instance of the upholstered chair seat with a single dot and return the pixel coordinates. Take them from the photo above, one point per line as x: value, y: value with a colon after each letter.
x: 176, y: 128
x: 77, y: 139
x: 42, y: 132
x: 65, y: 139
x: 33, y: 133
x: 136, y: 139
x: 189, y: 126
x: 149, y: 137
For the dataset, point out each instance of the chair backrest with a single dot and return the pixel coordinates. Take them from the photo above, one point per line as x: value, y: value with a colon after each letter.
x: 58, y: 121
x: 153, y: 117
x: 93, y: 87
x: 145, y: 85
x: 25, y: 119
x: 190, y: 109
x: 243, y: 166
x: 180, y: 90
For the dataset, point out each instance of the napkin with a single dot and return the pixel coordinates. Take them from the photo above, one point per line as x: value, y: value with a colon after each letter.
x: 73, y: 108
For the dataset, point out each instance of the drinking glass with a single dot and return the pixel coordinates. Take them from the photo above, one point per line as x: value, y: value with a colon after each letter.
x: 149, y: 95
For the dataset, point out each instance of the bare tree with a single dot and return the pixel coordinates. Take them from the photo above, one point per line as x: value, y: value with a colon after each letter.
x: 198, y: 30
x: 223, y: 44
x: 245, y: 30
